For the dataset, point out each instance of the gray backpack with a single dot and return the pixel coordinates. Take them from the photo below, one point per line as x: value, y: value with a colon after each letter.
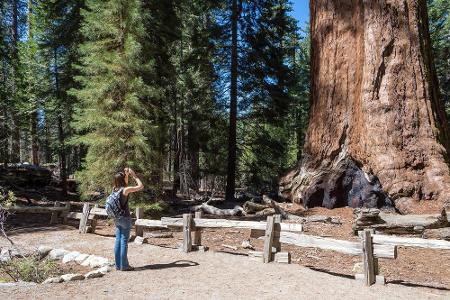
x: 113, y: 207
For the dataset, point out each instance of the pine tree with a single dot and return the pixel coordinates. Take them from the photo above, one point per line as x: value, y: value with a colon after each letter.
x: 115, y: 119
x: 59, y: 36
x: 268, y: 82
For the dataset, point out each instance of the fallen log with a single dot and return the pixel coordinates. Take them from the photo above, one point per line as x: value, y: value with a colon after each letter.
x: 400, y: 224
x: 212, y: 210
x: 25, y: 175
x: 439, y: 233
x: 251, y: 207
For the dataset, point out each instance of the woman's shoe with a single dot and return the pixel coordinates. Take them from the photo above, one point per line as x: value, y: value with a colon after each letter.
x: 129, y: 268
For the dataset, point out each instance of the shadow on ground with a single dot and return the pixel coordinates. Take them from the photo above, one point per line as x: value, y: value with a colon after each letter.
x: 175, y: 264
x: 330, y: 272
x: 399, y: 282
x: 411, y: 284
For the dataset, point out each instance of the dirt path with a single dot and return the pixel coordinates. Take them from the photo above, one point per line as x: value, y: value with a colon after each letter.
x: 170, y: 274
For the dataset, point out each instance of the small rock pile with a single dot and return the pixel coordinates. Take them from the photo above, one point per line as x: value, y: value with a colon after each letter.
x: 100, y: 264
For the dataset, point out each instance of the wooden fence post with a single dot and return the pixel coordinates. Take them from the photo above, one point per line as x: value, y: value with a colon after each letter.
x: 369, y: 267
x: 67, y: 210
x: 277, y: 232
x: 139, y: 215
x: 93, y: 221
x: 197, y: 238
x: 268, y: 240
x: 84, y: 218
x: 187, y: 227
x: 54, y: 217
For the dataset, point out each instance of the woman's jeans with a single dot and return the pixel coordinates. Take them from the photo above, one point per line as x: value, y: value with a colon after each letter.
x: 123, y: 227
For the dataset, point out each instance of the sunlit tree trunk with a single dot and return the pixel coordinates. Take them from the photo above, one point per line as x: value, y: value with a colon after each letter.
x: 377, y: 130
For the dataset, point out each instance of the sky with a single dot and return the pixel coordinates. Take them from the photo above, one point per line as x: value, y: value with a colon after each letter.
x: 301, y: 11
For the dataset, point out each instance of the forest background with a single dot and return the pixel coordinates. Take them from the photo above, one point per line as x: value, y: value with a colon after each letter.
x: 192, y: 94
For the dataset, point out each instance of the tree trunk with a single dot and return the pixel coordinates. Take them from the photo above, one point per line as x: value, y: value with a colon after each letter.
x: 377, y: 129
x: 15, y: 126
x: 231, y: 170
x: 34, y: 138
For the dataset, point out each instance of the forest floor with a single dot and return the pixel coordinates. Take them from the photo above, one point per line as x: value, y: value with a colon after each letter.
x: 166, y: 273
x: 221, y: 272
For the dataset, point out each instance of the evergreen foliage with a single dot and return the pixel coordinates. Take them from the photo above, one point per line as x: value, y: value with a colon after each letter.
x: 94, y: 86
x: 115, y: 119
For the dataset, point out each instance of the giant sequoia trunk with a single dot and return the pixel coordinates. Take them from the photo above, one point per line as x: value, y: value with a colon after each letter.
x: 377, y: 130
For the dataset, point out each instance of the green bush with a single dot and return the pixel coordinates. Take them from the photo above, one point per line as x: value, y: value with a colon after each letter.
x: 8, y: 200
x: 29, y: 269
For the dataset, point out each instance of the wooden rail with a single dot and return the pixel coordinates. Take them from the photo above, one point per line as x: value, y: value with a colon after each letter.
x: 35, y: 209
x: 411, y: 242
x: 346, y: 247
x: 223, y: 223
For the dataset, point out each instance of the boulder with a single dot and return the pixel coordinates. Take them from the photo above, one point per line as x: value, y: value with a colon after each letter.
x: 53, y: 280
x: 72, y: 277
x: 56, y: 254
x: 71, y: 256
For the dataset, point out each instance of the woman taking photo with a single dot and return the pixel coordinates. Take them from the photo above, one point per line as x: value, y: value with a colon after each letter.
x: 123, y: 222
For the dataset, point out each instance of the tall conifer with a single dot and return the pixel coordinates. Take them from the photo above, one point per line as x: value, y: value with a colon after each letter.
x: 115, y: 118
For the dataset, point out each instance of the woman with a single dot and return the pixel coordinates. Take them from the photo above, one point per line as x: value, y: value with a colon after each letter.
x: 123, y: 223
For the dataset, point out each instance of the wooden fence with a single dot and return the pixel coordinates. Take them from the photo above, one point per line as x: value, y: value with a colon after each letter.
x: 371, y: 246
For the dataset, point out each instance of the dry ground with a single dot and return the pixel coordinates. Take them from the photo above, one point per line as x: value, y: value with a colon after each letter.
x: 167, y: 273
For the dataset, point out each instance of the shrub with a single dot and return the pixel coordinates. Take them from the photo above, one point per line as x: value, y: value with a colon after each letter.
x: 29, y: 269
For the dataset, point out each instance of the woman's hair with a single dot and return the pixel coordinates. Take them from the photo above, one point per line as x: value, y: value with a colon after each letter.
x: 119, y: 180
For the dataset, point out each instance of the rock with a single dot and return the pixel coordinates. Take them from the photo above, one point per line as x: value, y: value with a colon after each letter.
x: 358, y: 268
x: 72, y: 277
x: 140, y: 240
x: 94, y: 261
x: 43, y: 251
x: 53, y: 280
x: 202, y: 248
x: 71, y: 256
x: 81, y: 258
x: 56, y: 254
x: 105, y: 269
x: 94, y: 274
x: 419, y: 229
x: 246, y: 245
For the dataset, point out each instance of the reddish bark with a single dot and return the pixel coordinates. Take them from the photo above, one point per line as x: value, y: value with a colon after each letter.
x: 374, y: 106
